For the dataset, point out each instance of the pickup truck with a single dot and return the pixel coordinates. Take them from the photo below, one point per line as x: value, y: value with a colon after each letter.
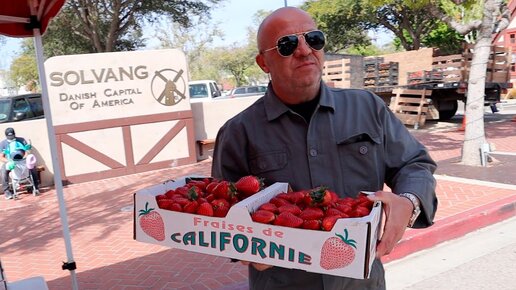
x: 203, y: 90
x: 21, y: 107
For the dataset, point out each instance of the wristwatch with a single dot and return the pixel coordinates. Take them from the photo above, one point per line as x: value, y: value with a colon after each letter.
x: 417, y: 210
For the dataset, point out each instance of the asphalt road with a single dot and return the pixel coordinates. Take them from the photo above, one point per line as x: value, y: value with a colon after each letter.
x: 484, y: 259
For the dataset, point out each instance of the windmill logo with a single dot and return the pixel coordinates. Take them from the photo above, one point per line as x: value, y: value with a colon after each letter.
x: 168, y: 87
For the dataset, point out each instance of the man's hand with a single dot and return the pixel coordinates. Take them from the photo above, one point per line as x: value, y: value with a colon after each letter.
x: 257, y: 266
x: 398, y: 211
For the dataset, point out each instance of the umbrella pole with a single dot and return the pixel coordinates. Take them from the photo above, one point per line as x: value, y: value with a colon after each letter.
x: 70, y: 264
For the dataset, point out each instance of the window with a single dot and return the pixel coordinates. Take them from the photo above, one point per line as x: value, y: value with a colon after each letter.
x: 252, y: 90
x: 214, y: 89
x: 36, y: 106
x: 21, y: 106
x: 198, y: 91
x: 239, y: 91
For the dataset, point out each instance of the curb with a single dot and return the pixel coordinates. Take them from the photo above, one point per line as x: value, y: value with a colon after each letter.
x: 453, y: 227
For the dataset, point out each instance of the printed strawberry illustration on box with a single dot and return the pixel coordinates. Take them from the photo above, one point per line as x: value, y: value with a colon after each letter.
x: 338, y: 252
x: 152, y: 223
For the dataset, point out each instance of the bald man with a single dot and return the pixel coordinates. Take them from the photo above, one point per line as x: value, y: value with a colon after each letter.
x: 307, y: 134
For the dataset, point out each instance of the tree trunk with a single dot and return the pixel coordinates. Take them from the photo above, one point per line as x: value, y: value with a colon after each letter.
x: 474, y: 135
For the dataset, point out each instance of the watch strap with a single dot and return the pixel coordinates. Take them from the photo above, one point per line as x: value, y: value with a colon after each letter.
x: 417, y: 209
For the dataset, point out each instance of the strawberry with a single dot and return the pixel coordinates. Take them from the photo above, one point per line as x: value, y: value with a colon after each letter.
x: 337, y: 252
x: 205, y: 209
x: 283, y: 195
x: 292, y: 208
x: 210, y: 197
x: 194, y: 193
x: 333, y: 211
x: 360, y: 211
x: 334, y: 196
x: 161, y: 196
x: 319, y: 196
x: 263, y: 216
x: 362, y: 200
x: 211, y: 186
x: 180, y: 200
x: 170, y: 193
x: 183, y: 190
x: 220, y: 207
x: 164, y: 203
x: 343, y: 207
x: 224, y: 190
x: 175, y: 207
x: 328, y: 222
x: 295, y: 197
x: 270, y: 207
x: 311, y: 213
x: 249, y: 185
x: 191, y: 206
x: 311, y: 224
x: 279, y: 201
x: 151, y: 223
x: 287, y: 219
x: 220, y: 203
x: 198, y: 183
x: 220, y: 211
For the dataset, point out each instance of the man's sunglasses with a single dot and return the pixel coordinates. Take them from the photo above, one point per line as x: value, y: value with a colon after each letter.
x: 287, y: 44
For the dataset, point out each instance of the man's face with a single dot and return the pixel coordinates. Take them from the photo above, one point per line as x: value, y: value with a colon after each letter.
x: 303, y: 68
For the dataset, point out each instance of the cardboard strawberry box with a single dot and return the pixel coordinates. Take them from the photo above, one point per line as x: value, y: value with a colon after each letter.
x: 347, y: 250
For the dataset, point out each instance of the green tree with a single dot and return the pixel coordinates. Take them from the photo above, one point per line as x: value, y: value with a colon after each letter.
x: 23, y: 71
x: 196, y: 41
x: 347, y: 21
x: 236, y: 60
x: 116, y: 25
x: 340, y: 20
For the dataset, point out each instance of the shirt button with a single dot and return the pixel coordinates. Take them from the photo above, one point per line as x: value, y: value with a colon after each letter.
x: 313, y: 152
x: 363, y: 150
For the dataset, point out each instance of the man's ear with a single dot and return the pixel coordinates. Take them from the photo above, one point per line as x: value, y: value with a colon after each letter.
x: 260, y: 61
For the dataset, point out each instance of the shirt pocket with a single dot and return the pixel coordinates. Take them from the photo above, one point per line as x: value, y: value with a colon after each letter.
x: 359, y: 155
x: 271, y: 165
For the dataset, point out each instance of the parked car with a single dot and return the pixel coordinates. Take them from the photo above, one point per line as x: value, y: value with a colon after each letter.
x: 247, y: 91
x: 203, y: 90
x: 21, y: 107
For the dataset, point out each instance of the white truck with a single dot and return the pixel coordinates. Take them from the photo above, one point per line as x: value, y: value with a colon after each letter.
x: 203, y: 90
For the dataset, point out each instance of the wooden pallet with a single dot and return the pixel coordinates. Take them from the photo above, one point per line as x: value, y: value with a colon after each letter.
x: 411, y: 106
x: 337, y: 73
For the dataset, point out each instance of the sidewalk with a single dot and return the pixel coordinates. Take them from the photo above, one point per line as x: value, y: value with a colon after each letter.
x: 101, y: 223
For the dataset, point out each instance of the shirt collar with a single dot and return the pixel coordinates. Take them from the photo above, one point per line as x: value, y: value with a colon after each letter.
x: 274, y: 107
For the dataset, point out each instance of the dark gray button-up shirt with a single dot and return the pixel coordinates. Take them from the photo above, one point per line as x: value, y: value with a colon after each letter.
x: 353, y: 142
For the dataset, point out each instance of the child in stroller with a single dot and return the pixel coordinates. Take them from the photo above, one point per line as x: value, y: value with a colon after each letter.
x: 18, y: 168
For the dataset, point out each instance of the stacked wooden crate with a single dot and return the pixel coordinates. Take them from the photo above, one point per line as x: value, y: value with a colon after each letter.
x: 378, y: 73
x: 455, y: 67
x: 498, y: 65
x: 343, y: 71
x: 336, y: 73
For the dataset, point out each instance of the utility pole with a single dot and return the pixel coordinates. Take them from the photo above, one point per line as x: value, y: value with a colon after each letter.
x: 286, y: 3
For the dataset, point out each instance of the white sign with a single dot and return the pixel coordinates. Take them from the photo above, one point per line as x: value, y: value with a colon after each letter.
x: 103, y: 86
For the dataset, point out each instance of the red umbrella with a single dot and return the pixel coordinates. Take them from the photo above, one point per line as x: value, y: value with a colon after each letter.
x: 30, y: 18
x: 19, y: 18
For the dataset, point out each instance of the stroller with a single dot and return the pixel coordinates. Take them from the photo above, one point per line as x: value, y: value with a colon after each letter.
x: 20, y: 175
